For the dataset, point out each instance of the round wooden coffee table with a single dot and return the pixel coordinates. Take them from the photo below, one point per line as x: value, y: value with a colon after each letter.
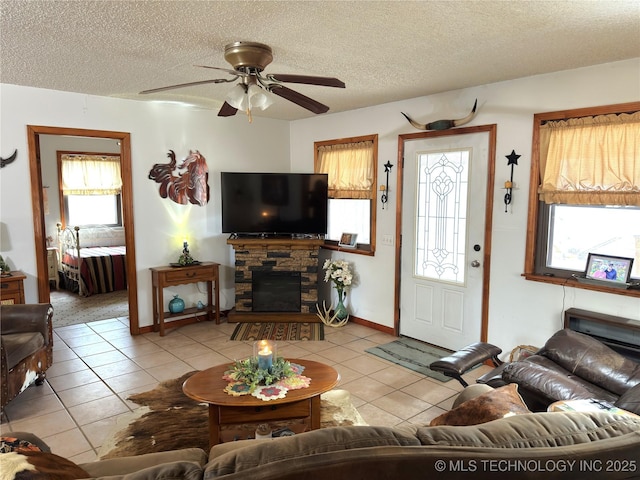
x: 208, y: 386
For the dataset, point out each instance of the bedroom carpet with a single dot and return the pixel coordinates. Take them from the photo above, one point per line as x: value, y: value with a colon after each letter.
x: 72, y: 309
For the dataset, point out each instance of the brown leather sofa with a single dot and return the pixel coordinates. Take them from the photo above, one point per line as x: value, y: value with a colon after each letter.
x: 569, y: 366
x: 26, y: 347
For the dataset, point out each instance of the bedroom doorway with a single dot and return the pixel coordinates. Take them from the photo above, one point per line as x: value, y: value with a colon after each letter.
x: 36, y: 135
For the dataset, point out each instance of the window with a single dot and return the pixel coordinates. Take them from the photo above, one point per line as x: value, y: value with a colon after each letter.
x: 91, y: 189
x: 351, y: 167
x: 585, y: 190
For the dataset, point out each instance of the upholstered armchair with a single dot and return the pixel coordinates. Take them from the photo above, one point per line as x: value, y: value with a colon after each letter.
x: 26, y: 347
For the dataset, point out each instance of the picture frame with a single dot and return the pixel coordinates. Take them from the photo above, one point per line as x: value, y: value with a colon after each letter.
x: 348, y: 240
x: 608, y: 268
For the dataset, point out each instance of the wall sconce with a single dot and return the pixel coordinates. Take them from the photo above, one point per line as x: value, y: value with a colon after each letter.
x: 508, y: 185
x: 385, y: 188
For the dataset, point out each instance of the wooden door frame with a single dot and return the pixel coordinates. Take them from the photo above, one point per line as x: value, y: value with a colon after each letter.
x: 486, y: 257
x: 33, y: 138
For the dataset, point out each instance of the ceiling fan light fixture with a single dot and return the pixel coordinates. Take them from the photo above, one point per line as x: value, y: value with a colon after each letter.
x: 237, y: 97
x: 259, y: 98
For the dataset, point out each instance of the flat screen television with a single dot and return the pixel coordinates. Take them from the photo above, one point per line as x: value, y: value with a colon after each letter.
x: 274, y: 203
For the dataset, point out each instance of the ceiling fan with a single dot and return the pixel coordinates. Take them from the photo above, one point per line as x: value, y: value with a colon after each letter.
x: 248, y: 60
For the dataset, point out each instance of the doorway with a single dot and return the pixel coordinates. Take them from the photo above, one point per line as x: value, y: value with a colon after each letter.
x: 38, y: 202
x: 446, y: 191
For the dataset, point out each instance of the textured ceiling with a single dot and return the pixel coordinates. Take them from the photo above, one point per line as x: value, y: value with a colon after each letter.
x: 383, y: 51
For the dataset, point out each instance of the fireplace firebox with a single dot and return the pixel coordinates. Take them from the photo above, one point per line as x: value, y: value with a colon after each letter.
x: 254, y: 257
x: 274, y: 291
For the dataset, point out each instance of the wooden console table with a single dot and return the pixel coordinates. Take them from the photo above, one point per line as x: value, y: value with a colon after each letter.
x: 167, y: 276
x: 12, y: 288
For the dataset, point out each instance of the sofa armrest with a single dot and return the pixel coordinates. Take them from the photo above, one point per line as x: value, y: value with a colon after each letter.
x: 456, y: 364
x: 630, y: 400
x: 21, y: 318
x: 127, y: 465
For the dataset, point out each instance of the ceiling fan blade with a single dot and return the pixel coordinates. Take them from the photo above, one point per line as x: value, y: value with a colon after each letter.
x: 306, y: 79
x: 189, y: 84
x: 298, y: 98
x: 227, y: 110
x: 237, y: 73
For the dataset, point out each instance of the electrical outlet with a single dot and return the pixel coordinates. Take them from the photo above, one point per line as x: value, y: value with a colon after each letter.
x: 387, y: 240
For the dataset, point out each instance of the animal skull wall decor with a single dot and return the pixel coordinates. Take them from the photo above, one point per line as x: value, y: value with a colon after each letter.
x: 443, y: 124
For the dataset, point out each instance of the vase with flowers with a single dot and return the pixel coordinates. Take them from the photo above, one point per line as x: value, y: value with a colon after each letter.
x: 339, y: 273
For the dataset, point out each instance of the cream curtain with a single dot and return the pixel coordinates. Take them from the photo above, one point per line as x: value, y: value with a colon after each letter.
x: 591, y: 160
x: 350, y: 169
x: 91, y: 175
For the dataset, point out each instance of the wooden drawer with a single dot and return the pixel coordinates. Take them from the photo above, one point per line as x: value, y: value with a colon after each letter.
x: 284, y: 411
x: 12, y: 289
x: 188, y: 275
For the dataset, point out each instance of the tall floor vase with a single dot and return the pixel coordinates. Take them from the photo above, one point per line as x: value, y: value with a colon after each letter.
x: 341, y: 311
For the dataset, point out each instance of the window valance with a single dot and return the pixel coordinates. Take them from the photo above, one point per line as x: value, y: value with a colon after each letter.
x: 591, y: 160
x: 349, y: 167
x: 91, y: 175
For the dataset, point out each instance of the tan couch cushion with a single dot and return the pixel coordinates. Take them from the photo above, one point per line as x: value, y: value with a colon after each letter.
x: 118, y: 467
x: 309, y: 443
x: 494, y: 404
x: 545, y: 429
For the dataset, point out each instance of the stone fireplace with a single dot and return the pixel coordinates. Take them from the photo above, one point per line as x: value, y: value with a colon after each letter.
x: 275, y: 278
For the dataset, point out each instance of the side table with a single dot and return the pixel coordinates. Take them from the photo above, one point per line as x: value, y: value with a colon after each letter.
x: 167, y: 276
x: 12, y: 288
x: 52, y: 265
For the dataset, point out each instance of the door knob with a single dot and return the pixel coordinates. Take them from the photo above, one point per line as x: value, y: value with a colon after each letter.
x: 475, y: 264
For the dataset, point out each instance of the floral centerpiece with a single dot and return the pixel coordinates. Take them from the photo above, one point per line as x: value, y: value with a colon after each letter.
x: 246, y: 377
x: 339, y: 273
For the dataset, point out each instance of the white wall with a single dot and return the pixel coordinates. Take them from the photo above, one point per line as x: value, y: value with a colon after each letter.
x: 160, y: 224
x: 520, y: 311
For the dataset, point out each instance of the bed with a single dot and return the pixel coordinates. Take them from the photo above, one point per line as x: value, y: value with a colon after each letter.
x: 87, y: 266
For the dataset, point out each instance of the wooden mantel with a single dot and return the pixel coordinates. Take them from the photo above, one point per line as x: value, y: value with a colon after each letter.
x: 275, y: 254
x: 251, y: 243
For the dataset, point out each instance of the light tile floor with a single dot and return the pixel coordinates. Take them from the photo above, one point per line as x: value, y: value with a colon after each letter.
x: 98, y: 365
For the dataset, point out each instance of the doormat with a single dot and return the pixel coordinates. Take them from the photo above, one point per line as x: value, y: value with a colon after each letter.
x: 412, y: 354
x: 281, y: 331
x: 169, y: 420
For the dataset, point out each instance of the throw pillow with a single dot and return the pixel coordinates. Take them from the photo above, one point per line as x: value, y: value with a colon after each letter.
x: 28, y: 464
x: 501, y: 402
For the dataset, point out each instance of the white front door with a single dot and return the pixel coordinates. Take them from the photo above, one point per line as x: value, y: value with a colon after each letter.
x: 443, y: 235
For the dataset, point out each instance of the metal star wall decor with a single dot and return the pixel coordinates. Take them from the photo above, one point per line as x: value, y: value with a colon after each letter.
x: 385, y: 188
x: 508, y: 185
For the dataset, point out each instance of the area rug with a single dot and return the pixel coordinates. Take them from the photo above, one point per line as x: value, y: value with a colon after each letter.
x: 278, y: 331
x: 169, y: 420
x: 412, y: 354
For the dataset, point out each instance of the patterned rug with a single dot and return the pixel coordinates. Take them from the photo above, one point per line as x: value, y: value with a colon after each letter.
x: 412, y: 354
x: 169, y: 420
x: 278, y: 331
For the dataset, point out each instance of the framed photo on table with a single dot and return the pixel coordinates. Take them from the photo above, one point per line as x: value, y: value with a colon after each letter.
x: 348, y: 240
